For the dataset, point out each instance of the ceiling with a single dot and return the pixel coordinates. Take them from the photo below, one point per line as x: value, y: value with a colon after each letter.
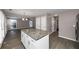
x: 18, y: 13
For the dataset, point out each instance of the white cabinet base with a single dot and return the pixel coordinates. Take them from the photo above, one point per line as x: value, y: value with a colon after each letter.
x: 30, y: 43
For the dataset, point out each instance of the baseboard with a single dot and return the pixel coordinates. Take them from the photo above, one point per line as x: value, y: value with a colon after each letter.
x: 68, y: 38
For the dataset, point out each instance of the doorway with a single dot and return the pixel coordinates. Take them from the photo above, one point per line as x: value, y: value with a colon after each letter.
x: 55, y: 24
x: 12, y: 24
x: 77, y: 28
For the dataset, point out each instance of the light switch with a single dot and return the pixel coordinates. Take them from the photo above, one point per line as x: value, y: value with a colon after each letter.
x: 74, y: 26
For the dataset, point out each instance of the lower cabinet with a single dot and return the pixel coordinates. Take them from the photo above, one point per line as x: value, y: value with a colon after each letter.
x: 30, y: 43
x: 24, y: 39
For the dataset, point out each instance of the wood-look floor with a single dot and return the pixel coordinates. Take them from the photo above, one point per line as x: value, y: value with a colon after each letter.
x: 61, y: 43
x: 13, y: 41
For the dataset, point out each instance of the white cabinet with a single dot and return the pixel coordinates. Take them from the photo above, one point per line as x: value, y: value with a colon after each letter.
x: 30, y: 43
x: 24, y: 39
x: 43, y: 42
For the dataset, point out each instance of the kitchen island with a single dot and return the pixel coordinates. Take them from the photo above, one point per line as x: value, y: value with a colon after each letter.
x: 35, y: 39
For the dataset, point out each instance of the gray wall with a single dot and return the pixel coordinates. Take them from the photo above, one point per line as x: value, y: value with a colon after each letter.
x: 66, y: 22
x: 34, y: 21
x: 22, y: 24
x: 49, y: 23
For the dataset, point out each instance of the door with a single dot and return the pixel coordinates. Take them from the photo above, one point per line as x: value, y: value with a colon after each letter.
x: 77, y: 27
x: 12, y: 24
x: 56, y: 27
x: 52, y: 25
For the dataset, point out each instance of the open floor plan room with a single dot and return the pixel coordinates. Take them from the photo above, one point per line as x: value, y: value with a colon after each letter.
x: 39, y: 29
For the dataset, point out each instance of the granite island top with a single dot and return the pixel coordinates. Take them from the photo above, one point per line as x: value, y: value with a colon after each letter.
x: 36, y: 34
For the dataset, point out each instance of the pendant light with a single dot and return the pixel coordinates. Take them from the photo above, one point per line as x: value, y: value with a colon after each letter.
x: 24, y: 17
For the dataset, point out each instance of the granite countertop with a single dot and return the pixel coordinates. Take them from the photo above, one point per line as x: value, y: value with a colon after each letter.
x: 36, y: 34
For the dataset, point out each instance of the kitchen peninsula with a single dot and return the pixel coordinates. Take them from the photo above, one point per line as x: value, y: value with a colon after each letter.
x: 35, y: 39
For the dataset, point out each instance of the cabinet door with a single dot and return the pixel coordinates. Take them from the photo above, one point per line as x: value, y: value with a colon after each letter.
x: 31, y: 43
x: 43, y: 23
x: 22, y: 35
x: 43, y: 43
x: 24, y: 39
x: 37, y: 22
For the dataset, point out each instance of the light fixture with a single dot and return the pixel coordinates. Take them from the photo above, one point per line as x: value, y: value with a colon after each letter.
x: 24, y: 17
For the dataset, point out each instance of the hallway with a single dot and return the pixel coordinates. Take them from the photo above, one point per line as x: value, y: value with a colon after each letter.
x: 12, y: 40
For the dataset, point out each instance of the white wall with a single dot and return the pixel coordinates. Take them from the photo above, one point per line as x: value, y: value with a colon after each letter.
x: 66, y: 22
x: 3, y: 28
